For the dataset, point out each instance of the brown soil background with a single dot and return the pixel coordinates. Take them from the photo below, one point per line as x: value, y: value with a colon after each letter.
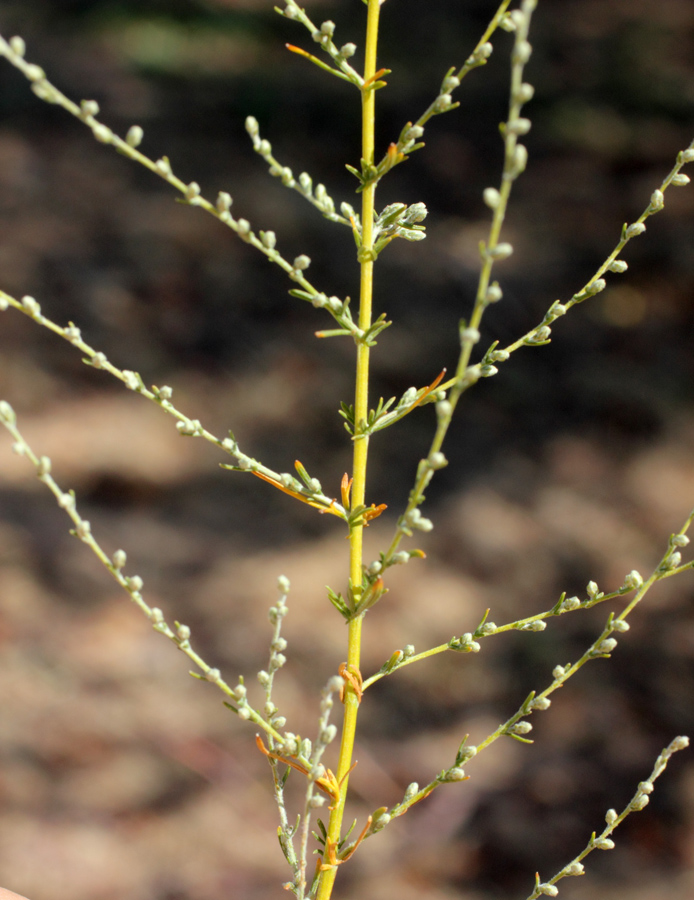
x: 121, y: 776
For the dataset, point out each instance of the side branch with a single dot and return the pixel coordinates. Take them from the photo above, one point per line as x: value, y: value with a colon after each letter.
x: 264, y: 241
x: 670, y: 564
x: 516, y: 726
x: 411, y: 134
x: 310, y: 491
x: 603, y: 841
x: 132, y: 584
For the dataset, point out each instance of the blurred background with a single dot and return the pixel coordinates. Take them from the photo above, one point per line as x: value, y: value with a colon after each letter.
x: 121, y: 776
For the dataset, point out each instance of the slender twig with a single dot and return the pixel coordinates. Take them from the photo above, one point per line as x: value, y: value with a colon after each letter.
x: 132, y: 584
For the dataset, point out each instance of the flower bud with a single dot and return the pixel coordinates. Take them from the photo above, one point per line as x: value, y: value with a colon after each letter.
x: 18, y: 46
x: 636, y: 228
x: 491, y: 197
x: 302, y: 262
x: 134, y: 136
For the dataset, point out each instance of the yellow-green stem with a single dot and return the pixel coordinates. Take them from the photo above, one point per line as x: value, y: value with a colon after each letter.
x: 361, y: 449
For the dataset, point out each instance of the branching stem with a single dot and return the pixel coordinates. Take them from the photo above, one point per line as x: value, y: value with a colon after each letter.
x: 361, y: 445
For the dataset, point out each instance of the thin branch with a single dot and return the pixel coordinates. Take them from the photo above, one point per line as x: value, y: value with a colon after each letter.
x: 670, y: 564
x: 131, y: 584
x: 308, y: 490
x: 264, y: 241
x: 603, y: 841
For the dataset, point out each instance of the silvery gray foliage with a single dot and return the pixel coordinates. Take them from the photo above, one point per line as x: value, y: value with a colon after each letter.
x: 288, y: 752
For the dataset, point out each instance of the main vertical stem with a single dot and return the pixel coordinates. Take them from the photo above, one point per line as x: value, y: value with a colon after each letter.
x: 361, y: 450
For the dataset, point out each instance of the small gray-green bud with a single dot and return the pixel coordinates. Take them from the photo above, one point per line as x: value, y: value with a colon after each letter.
x: 604, y: 844
x: 444, y: 409
x: 494, y: 293
x: 541, y: 703
x: 595, y: 287
x: 88, y: 107
x: 163, y: 166
x: 18, y: 46
x: 442, y: 103
x: 301, y: 262
x: 536, y: 625
x: 657, y: 200
x: 633, y: 580
x: 618, y: 266
x: 268, y: 239
x: 224, y: 202
x: 522, y: 728
x: 103, y: 134
x: 437, y: 460
x: 134, y: 136
x: 574, y: 868
x: 525, y: 92
x: 328, y: 734
x: 491, y: 197
x: 519, y: 126
x: 570, y: 603
x: 31, y: 305
x: 413, y: 133
x: 520, y: 158
x: 454, y: 774
x: 634, y: 229
x: 412, y: 790
x: 501, y: 251
x: 522, y: 52
x: 469, y: 336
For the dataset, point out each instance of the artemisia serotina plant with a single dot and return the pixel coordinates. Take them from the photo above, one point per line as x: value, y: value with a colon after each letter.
x: 326, y: 840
